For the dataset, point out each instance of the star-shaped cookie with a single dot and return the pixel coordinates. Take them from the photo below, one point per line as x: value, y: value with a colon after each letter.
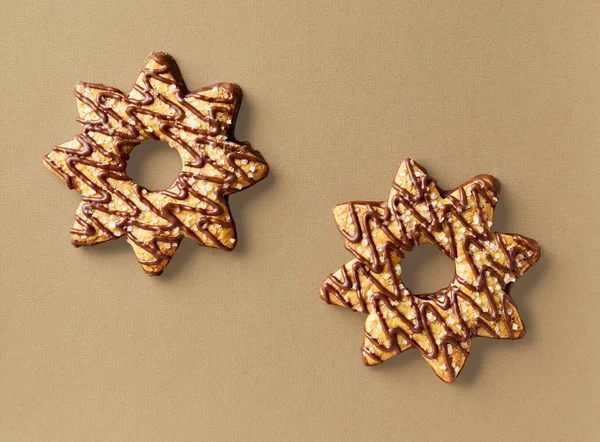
x: 439, y: 325
x: 199, y: 125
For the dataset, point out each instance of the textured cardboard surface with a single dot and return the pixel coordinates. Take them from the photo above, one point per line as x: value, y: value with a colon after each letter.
x: 238, y: 346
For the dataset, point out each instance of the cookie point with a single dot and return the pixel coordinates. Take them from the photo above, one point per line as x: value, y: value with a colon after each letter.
x: 161, y: 57
x: 492, y: 181
x: 52, y: 167
x: 233, y: 88
x: 531, y: 244
x: 447, y: 380
x: 521, y: 334
x: 340, y: 207
x: 410, y: 162
x: 266, y: 170
x: 496, y: 184
x: 230, y: 244
x: 368, y: 359
x: 323, y: 292
x: 152, y: 270
x: 537, y: 250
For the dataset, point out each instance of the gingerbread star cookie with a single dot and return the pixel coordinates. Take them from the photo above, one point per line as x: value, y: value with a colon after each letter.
x: 199, y: 125
x: 439, y: 325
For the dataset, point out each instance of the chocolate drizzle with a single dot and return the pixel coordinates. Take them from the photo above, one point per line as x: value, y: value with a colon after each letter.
x: 199, y: 125
x: 440, y: 324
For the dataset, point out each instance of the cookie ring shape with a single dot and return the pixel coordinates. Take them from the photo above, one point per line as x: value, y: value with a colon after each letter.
x: 199, y: 125
x: 441, y: 324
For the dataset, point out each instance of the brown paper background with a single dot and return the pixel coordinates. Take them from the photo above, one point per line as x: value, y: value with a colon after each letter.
x: 239, y: 346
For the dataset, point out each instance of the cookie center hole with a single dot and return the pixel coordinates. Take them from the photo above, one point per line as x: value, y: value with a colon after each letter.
x: 154, y: 165
x: 426, y: 269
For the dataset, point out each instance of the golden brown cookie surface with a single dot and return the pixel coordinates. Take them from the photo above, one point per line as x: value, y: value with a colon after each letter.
x: 440, y: 325
x: 199, y: 125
